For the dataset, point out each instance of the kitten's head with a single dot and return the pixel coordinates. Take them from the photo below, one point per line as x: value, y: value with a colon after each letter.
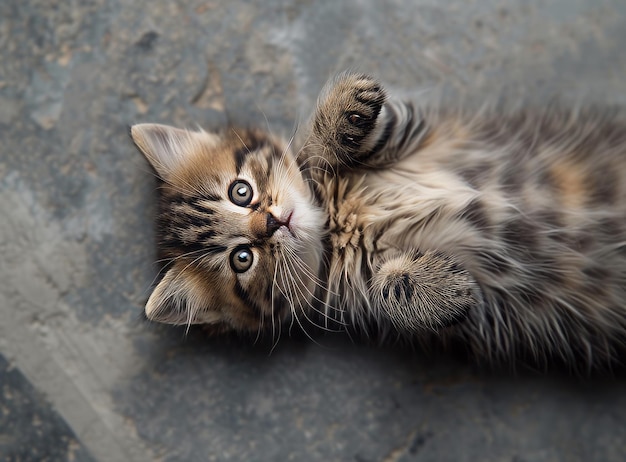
x: 237, y: 226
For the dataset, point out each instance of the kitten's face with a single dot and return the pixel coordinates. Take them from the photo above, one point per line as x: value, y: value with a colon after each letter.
x: 237, y: 226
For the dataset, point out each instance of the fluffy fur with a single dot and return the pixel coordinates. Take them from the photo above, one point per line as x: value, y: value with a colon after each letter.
x: 503, y: 233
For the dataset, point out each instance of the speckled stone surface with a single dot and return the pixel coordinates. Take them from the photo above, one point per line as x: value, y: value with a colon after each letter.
x: 83, y: 378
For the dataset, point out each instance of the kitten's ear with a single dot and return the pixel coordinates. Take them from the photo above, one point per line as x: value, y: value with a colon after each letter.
x: 181, y: 297
x: 167, y: 148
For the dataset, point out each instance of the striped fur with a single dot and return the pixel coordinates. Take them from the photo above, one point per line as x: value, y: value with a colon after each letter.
x: 501, y: 232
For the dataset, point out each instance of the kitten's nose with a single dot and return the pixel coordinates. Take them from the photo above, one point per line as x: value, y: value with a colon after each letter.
x: 273, y: 224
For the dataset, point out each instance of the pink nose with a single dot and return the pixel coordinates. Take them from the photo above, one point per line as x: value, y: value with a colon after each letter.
x: 273, y: 224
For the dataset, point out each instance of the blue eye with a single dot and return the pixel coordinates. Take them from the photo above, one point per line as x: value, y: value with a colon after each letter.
x: 240, y: 193
x: 241, y: 259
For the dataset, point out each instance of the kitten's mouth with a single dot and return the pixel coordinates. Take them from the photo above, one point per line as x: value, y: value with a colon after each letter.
x: 287, y: 224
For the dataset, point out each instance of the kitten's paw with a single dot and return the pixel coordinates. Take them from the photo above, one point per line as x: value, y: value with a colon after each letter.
x: 423, y: 291
x: 363, y: 99
x: 347, y: 114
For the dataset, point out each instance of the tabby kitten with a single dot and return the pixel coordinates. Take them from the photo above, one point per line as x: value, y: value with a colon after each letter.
x: 504, y: 234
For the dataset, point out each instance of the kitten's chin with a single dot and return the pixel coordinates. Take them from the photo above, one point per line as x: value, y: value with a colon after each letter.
x: 303, y: 238
x: 306, y: 220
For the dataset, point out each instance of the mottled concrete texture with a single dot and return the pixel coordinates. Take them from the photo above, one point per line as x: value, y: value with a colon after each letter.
x: 82, y: 378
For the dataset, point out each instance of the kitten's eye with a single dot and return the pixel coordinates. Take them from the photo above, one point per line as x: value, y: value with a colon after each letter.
x: 241, y: 259
x: 240, y: 193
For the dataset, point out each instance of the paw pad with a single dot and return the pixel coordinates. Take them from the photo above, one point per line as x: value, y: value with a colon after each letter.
x: 359, y: 120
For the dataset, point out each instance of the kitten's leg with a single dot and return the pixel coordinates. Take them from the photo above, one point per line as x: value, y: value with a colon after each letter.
x: 355, y: 126
x: 418, y: 291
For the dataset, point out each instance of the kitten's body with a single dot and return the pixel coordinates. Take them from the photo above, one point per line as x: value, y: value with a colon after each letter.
x: 506, y: 234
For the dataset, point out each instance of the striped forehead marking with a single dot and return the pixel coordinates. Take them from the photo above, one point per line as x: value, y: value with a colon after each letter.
x: 251, y: 143
x: 255, y: 146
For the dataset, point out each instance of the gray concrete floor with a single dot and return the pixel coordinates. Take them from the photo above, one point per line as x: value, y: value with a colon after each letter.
x: 82, y: 378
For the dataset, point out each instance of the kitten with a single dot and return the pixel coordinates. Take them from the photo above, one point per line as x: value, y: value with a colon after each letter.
x: 503, y: 233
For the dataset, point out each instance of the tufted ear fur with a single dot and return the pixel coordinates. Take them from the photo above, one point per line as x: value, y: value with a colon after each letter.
x: 182, y: 297
x: 167, y: 148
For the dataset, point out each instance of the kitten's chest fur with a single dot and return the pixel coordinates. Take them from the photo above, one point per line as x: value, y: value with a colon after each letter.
x: 418, y: 204
x: 374, y: 211
x: 422, y: 202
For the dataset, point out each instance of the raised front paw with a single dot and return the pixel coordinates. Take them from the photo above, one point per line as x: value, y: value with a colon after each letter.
x: 346, y: 116
x: 423, y: 291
